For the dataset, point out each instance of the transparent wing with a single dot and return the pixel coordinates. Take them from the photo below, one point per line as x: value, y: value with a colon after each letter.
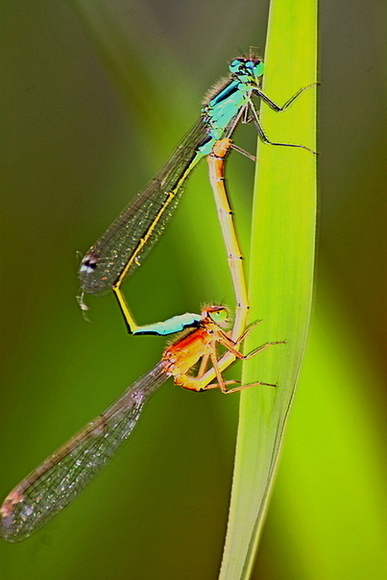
x: 61, y: 478
x: 138, y: 227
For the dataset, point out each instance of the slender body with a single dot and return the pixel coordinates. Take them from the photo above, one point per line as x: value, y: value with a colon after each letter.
x: 216, y: 163
x: 125, y: 243
x: 62, y: 476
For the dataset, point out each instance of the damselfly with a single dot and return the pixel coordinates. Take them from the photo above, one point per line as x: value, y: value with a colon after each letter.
x: 62, y: 476
x: 125, y: 243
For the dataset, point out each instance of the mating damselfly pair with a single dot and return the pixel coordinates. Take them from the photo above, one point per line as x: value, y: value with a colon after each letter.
x: 60, y: 479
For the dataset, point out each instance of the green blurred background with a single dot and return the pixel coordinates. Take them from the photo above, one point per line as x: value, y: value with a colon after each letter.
x: 89, y: 113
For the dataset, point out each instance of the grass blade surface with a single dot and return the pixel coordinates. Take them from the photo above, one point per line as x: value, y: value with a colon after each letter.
x: 281, y: 273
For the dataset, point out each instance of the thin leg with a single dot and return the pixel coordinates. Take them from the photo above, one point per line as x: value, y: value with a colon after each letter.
x: 265, y: 139
x: 278, y: 108
x: 242, y: 387
x: 214, y: 361
x: 221, y: 384
x: 241, y: 356
x: 260, y: 349
x: 201, y: 383
x: 203, y: 365
x: 197, y: 387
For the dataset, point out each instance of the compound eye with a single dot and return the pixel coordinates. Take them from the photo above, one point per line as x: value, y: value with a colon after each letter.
x: 219, y: 315
x: 258, y: 68
x: 237, y: 65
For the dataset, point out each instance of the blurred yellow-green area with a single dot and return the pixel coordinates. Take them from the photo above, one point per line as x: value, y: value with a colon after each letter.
x: 94, y: 97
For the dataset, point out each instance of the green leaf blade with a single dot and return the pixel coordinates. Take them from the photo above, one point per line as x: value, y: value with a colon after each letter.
x: 281, y: 273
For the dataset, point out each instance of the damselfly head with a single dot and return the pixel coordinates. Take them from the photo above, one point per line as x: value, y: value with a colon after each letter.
x: 217, y: 314
x: 246, y: 67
